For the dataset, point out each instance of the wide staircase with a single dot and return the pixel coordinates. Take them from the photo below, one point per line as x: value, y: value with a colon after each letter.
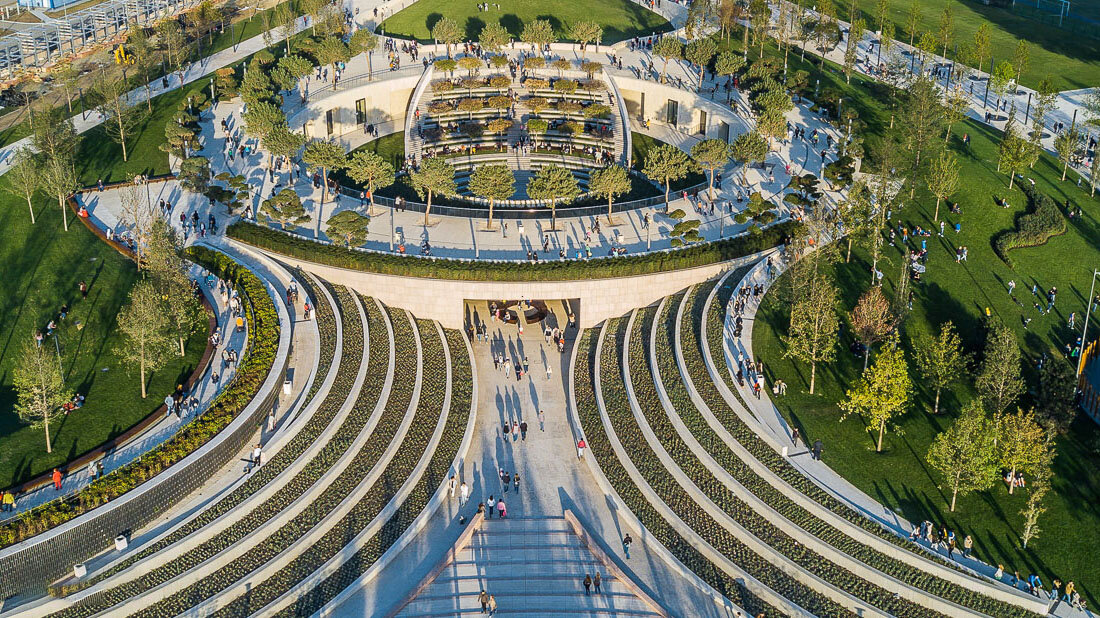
x: 656, y: 405
x: 368, y: 457
x: 533, y: 566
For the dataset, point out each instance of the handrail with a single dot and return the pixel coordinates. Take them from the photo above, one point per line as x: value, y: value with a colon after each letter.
x: 414, y: 103
x: 624, y: 120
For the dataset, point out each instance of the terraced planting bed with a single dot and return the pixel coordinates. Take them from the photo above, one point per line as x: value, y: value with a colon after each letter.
x: 437, y: 472
x: 414, y: 444
x: 349, y: 367
x: 617, y: 475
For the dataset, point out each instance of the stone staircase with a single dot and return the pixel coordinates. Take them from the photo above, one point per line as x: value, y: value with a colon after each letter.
x: 533, y: 567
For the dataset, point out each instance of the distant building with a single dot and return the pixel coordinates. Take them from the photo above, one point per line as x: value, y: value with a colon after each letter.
x: 49, y: 5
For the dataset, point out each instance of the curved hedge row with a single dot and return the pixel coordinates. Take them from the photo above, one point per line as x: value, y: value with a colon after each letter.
x: 437, y: 472
x: 691, y: 347
x: 600, y: 447
x: 650, y: 466
x: 326, y: 333
x: 224, y: 540
x: 259, y: 356
x: 435, y: 268
x: 328, y: 500
x: 1034, y: 228
x: 414, y: 446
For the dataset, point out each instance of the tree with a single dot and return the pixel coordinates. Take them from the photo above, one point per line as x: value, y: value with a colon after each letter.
x: 138, y: 215
x: 760, y: 15
x: 610, y: 182
x: 262, y: 118
x: 435, y: 177
x: 814, y: 323
x: 883, y: 392
x: 712, y: 155
x: 313, y: 8
x: 363, y: 41
x: 999, y: 78
x: 964, y: 454
x: 327, y: 157
x: 282, y: 142
x: 146, y: 61
x: 826, y: 31
x: 182, y: 311
x: 946, y: 30
x: 25, y: 177
x: 350, y: 226
x: 59, y: 178
x: 39, y: 387
x: 494, y: 37
x: 943, y: 178
x: 758, y: 210
x: 1065, y: 144
x: 955, y: 107
x: 297, y: 67
x: 912, y: 20
x: 749, y: 148
x: 195, y: 174
x: 922, y: 120
x: 1094, y: 176
x: 174, y: 44
x: 283, y: 18
x: 470, y: 64
x: 857, y: 216
x: 285, y: 208
x: 371, y: 169
x: 668, y: 48
x: 999, y: 382
x: 553, y: 183
x: 983, y: 36
x: 1014, y: 152
x: 1055, y: 399
x: 871, y: 320
x: 144, y: 328
x: 54, y: 134
x: 332, y: 50
x: 538, y: 32
x: 492, y: 182
x: 664, y: 164
x: 585, y: 32
x: 1040, y: 485
x: 851, y: 49
x: 941, y: 360
x: 1022, y: 444
x: 728, y: 64
x: 110, y: 97
x: 700, y: 52
x: 1020, y: 57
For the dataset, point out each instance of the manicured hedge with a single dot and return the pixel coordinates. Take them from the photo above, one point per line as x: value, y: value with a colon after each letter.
x: 181, y: 563
x: 600, y: 447
x: 437, y: 268
x: 414, y: 446
x: 1034, y: 228
x: 263, y: 342
x: 691, y: 347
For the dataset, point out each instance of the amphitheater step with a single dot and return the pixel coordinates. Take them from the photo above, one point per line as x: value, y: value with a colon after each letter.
x: 533, y: 567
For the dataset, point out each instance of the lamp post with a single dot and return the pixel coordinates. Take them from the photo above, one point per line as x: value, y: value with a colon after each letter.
x: 1085, y: 327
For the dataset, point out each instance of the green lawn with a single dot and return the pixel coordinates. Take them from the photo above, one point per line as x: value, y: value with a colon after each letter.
x: 1071, y: 61
x: 961, y: 293
x: 620, y: 19
x: 41, y: 266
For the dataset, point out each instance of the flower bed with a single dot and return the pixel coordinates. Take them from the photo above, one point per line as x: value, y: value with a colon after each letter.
x: 341, y: 389
x: 437, y: 472
x: 414, y: 445
x: 600, y: 447
x: 259, y: 356
x: 410, y: 266
x: 693, y: 361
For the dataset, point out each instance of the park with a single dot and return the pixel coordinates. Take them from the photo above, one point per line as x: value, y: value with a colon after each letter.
x: 658, y: 307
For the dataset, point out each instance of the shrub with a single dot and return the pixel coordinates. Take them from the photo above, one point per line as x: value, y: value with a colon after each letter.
x: 442, y: 85
x: 1034, y: 228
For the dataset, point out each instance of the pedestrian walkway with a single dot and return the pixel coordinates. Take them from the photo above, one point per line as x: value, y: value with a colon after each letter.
x: 204, y: 391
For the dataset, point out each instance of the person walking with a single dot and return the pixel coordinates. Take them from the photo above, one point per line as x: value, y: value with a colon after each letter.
x: 9, y: 505
x: 515, y: 481
x: 626, y: 545
x: 542, y: 420
x: 506, y: 480
x: 587, y: 584
x: 502, y: 509
x: 968, y: 546
x: 580, y: 448
x: 464, y: 494
x: 523, y: 430
x: 452, y: 484
x: 795, y: 436
x: 492, y: 604
x: 1011, y: 286
x: 596, y: 582
x: 491, y: 503
x: 56, y: 479
x: 483, y: 598
x: 83, y: 289
x: 818, y: 447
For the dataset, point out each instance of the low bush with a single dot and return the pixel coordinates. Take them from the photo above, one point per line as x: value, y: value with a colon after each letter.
x: 1035, y: 228
x: 263, y: 342
x: 567, y: 270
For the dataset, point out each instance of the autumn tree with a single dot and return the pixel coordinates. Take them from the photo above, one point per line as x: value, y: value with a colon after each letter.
x: 494, y: 37
x: 492, y: 182
x: 1022, y: 443
x: 872, y: 320
x: 965, y: 454
x: 39, y: 387
x: 144, y: 328
x: 1037, y: 490
x: 435, y: 177
x: 882, y: 394
x: 1014, y: 152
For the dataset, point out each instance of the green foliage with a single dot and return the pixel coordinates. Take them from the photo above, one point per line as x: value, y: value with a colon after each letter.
x: 1035, y: 228
x: 349, y: 226
x: 965, y: 454
x: 285, y: 208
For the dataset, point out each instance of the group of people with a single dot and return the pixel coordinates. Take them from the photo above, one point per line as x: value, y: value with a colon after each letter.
x: 942, y: 539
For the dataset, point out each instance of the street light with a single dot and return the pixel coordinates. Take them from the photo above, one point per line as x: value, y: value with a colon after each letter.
x: 1085, y: 328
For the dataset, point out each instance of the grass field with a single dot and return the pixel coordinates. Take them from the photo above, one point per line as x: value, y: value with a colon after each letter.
x: 899, y: 477
x: 41, y: 266
x: 620, y: 19
x: 1070, y: 61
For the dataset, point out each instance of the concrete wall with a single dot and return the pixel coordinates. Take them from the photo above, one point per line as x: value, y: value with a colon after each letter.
x: 648, y: 100
x: 385, y: 100
x: 443, y: 300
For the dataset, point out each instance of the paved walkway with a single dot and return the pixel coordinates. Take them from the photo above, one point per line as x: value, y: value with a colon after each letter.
x: 204, y: 391
x: 551, y: 476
